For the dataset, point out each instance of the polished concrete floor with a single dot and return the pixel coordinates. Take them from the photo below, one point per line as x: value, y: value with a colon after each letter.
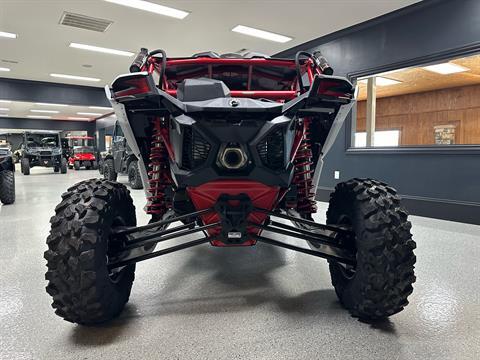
x: 248, y: 303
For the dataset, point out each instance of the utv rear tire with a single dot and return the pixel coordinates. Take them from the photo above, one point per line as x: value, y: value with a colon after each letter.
x: 134, y: 178
x: 25, y: 165
x: 56, y: 169
x: 84, y: 291
x: 94, y: 165
x: 7, y: 187
x: 109, y: 172
x: 76, y: 165
x: 63, y: 166
x: 382, y: 280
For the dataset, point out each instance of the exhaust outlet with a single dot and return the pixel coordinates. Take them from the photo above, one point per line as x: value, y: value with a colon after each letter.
x: 233, y: 158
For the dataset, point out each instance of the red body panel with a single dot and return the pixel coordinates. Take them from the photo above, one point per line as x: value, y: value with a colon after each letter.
x: 205, y: 196
x: 81, y: 157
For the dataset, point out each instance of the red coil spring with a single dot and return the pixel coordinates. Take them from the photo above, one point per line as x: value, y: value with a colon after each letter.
x: 159, y: 172
x: 303, y: 176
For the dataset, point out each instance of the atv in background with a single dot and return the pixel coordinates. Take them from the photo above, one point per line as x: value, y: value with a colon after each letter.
x: 42, y: 148
x: 82, y: 153
x: 121, y: 160
x: 7, y: 176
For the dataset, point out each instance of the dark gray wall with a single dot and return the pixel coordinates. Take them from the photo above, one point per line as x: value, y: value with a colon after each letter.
x: 38, y: 91
x: 440, y: 182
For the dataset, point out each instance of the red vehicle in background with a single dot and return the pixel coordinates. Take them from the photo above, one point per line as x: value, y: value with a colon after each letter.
x: 82, y: 153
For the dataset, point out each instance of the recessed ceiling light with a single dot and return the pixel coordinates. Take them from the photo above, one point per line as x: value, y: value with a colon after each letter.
x: 4, y: 69
x: 101, y: 49
x: 382, y: 81
x: 45, y: 111
x: 51, y: 104
x: 100, y: 107
x: 8, y: 35
x: 152, y: 7
x: 39, y: 116
x: 89, y: 114
x: 5, y: 101
x: 261, y: 34
x: 4, y: 109
x: 74, y: 77
x: 77, y: 118
x: 446, y: 68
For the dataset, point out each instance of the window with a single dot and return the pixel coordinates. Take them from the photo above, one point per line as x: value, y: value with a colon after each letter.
x: 429, y: 105
x: 381, y: 138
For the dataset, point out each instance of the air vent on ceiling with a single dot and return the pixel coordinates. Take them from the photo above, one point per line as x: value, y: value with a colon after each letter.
x: 85, y: 22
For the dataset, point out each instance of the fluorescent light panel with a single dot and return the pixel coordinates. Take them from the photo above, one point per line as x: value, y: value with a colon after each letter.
x: 446, y: 68
x: 39, y: 116
x: 152, y: 7
x: 100, y: 108
x: 4, y: 69
x: 74, y: 77
x: 382, y: 81
x: 77, y: 118
x: 5, y: 101
x: 89, y: 114
x: 8, y: 35
x: 49, y: 104
x: 3, y: 115
x: 4, y: 109
x: 246, y: 30
x: 45, y: 111
x: 101, y: 49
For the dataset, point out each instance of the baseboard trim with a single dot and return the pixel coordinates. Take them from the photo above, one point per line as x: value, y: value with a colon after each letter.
x: 444, y: 209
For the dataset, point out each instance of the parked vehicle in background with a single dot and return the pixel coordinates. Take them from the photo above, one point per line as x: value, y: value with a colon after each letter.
x: 82, y: 153
x: 121, y: 160
x: 7, y: 175
x: 41, y: 148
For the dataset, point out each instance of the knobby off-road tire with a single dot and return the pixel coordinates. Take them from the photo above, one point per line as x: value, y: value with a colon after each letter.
x: 63, y: 166
x: 109, y: 172
x: 382, y: 279
x: 134, y: 178
x: 25, y: 165
x: 82, y: 288
x: 76, y: 165
x: 7, y: 187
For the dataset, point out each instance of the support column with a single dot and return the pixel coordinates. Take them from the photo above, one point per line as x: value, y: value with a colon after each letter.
x: 371, y: 109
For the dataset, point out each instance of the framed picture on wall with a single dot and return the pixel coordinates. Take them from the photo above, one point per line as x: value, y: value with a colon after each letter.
x: 444, y: 134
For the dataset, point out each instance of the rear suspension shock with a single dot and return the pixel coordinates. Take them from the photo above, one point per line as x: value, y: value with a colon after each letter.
x: 303, y: 176
x: 159, y: 178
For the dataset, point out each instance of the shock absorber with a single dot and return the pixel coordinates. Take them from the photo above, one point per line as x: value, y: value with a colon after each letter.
x: 303, y: 176
x: 159, y: 172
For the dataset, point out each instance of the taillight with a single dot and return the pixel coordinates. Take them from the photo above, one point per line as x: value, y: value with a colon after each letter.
x: 332, y: 86
x: 133, y: 84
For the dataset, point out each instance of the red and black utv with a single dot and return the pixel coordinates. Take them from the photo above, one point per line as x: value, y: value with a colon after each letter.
x: 232, y: 147
x: 82, y: 153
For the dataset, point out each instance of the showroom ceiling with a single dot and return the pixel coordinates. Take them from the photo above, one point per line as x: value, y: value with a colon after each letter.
x: 42, y: 45
x: 421, y: 79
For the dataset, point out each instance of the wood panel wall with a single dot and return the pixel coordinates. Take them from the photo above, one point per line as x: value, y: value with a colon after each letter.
x: 416, y: 115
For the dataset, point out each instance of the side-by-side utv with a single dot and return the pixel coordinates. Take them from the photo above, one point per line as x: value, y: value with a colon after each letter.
x: 121, y: 160
x: 42, y: 148
x: 82, y: 153
x: 232, y: 148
